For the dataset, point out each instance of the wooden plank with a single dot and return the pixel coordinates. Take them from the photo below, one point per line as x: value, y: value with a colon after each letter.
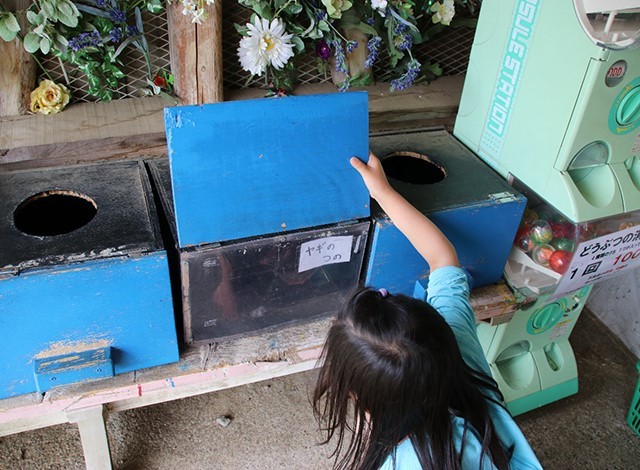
x: 200, y: 369
x: 134, y: 127
x: 17, y: 70
x: 85, y: 132
x: 73, y: 153
x: 423, y: 105
x: 183, y: 53
x: 209, y: 56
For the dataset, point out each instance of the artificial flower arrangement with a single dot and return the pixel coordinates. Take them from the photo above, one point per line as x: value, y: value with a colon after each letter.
x: 87, y: 34
x: 49, y: 98
x: 348, y: 36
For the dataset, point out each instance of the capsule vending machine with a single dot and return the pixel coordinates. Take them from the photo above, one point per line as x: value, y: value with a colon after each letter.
x: 552, y: 265
x: 552, y: 97
x: 552, y: 103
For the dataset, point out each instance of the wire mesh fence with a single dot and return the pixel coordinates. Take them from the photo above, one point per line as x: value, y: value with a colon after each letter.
x: 450, y: 50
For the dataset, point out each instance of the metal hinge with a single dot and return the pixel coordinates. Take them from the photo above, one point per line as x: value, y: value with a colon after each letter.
x: 503, y: 197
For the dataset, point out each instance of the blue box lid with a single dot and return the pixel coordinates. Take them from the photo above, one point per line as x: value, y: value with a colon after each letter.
x: 254, y: 167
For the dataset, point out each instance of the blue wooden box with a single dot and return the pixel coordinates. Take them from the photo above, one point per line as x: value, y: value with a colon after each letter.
x: 475, y: 208
x: 84, y: 279
x: 231, y: 289
x: 247, y: 188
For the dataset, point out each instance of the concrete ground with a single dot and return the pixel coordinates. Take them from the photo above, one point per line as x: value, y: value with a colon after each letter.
x: 272, y: 426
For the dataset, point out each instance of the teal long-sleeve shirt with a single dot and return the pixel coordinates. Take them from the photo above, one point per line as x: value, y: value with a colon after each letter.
x: 448, y: 293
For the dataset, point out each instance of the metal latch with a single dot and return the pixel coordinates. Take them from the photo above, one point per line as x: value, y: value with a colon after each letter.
x: 74, y: 367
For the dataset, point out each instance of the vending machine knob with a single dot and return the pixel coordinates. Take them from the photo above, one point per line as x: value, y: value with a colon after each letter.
x: 629, y: 108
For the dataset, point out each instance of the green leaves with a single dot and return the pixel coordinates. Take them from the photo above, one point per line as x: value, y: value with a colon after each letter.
x: 44, y: 33
x: 63, y: 11
x: 285, y: 77
x: 262, y: 8
x: 86, y: 35
x: 9, y: 27
x: 155, y: 6
x: 31, y: 42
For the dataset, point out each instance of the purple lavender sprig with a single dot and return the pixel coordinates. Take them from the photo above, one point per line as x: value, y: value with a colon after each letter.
x: 84, y: 40
x: 344, y: 86
x: 351, y: 45
x: 399, y: 28
x: 403, y: 42
x: 374, y: 51
x: 115, y: 35
x: 338, y: 53
x: 117, y: 15
x: 407, y: 79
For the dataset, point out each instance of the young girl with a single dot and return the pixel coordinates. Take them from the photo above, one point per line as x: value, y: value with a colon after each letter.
x: 404, y: 384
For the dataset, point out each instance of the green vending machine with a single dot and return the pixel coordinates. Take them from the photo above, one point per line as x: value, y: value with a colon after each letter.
x: 552, y: 97
x: 552, y: 265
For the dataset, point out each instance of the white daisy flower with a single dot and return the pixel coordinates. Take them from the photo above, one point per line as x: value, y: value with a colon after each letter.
x: 380, y: 5
x: 199, y: 16
x: 443, y: 12
x: 189, y: 7
x: 266, y: 44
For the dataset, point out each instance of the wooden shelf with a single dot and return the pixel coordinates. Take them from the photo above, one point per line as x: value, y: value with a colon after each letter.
x: 204, y: 369
x: 134, y: 128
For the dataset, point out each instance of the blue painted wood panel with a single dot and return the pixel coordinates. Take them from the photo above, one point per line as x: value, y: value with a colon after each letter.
x: 119, y: 303
x: 475, y: 208
x: 247, y: 168
x: 482, y: 234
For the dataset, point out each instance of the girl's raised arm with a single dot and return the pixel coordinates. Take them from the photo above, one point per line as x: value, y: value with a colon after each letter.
x: 426, y: 238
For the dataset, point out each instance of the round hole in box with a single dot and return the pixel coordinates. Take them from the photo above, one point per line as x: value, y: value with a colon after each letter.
x: 54, y: 212
x: 412, y: 167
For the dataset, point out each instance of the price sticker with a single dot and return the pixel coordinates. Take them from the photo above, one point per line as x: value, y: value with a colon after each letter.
x: 601, y: 258
x: 615, y: 74
x: 323, y: 251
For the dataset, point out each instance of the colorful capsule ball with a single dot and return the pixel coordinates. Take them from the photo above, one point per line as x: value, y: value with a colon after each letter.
x: 541, y: 232
x: 563, y: 244
x: 525, y: 243
x: 541, y: 254
x: 559, y: 261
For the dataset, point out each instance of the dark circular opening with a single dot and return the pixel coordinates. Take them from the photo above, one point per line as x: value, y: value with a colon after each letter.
x: 54, y: 213
x: 413, y: 168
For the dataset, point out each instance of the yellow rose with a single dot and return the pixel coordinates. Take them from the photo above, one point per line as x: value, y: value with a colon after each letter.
x: 49, y: 98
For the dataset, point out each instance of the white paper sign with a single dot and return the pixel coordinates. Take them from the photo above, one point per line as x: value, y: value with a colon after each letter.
x: 601, y: 258
x: 322, y: 251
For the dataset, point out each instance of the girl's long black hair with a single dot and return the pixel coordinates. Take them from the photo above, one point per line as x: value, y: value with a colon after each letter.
x: 392, y: 369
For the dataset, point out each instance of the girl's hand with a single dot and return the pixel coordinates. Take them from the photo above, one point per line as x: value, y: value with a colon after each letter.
x: 373, y: 176
x: 426, y: 238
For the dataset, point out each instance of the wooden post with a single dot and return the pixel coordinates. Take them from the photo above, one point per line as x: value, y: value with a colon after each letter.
x: 182, y: 50
x: 17, y: 69
x: 196, y: 54
x: 93, y: 434
x: 209, y: 71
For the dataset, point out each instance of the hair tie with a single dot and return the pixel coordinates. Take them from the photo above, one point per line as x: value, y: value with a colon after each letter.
x: 383, y: 292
